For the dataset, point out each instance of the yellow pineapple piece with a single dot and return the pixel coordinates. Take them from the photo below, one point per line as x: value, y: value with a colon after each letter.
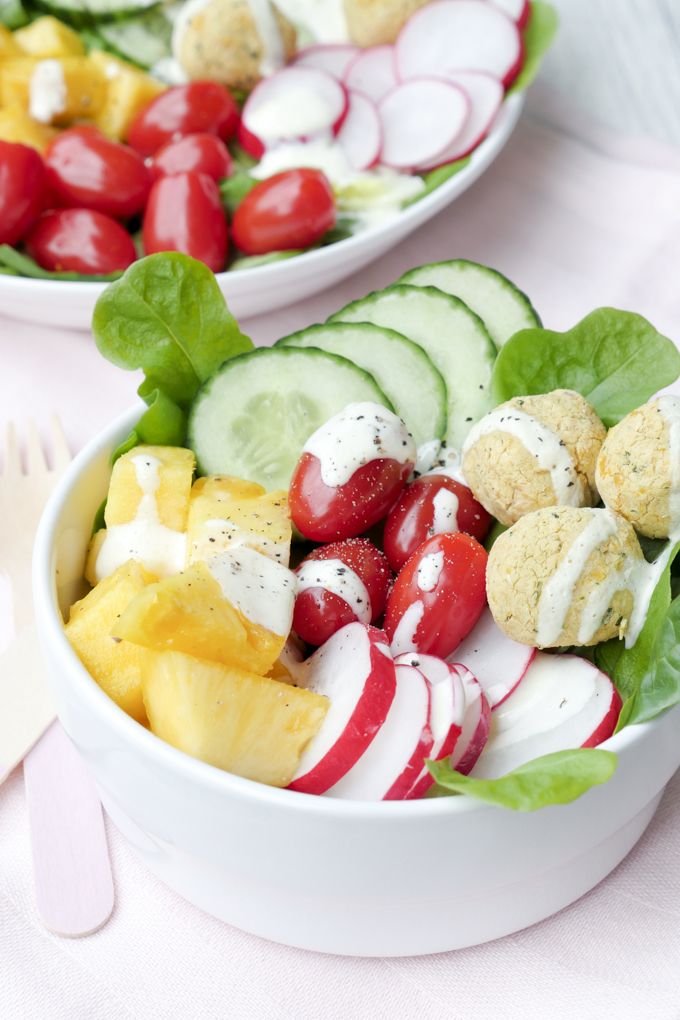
x: 17, y: 126
x: 128, y: 91
x: 227, y: 512
x: 84, y: 86
x: 114, y: 664
x: 289, y: 664
x: 15, y: 75
x: 8, y: 47
x: 245, y: 724
x: 47, y: 37
x: 94, y: 548
x: 236, y: 608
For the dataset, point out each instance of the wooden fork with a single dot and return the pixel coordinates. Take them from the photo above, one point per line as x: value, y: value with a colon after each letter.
x: 74, y: 888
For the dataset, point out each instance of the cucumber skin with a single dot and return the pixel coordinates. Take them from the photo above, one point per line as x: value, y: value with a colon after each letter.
x: 82, y: 17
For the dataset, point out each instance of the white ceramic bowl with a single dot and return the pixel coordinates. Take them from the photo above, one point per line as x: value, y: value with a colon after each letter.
x: 255, y: 291
x: 385, y: 879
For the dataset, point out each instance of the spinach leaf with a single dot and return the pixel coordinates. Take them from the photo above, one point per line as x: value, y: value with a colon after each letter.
x: 436, y: 177
x: 538, y: 37
x: 99, y: 521
x: 495, y: 532
x: 21, y: 265
x: 12, y: 14
x: 163, y: 424
x: 557, y: 778
x: 659, y: 688
x: 252, y: 261
x: 233, y: 190
x: 615, y: 359
x: 168, y: 316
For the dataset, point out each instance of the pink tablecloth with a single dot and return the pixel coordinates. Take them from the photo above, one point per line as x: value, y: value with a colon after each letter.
x: 576, y: 224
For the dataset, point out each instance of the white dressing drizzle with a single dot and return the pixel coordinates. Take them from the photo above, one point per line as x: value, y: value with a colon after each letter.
x: 429, y: 569
x: 445, y: 519
x: 185, y: 15
x: 541, y: 442
x: 160, y: 550
x: 47, y: 91
x: 361, y: 433
x: 219, y: 533
x: 335, y: 576
x: 404, y: 639
x: 324, y: 20
x: 426, y: 456
x: 273, y: 51
x: 295, y: 113
x: 262, y: 590
x: 669, y: 407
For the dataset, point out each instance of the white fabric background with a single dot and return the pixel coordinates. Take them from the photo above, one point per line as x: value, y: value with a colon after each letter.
x: 575, y: 228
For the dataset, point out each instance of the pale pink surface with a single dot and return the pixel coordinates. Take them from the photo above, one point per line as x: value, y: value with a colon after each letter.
x: 576, y: 229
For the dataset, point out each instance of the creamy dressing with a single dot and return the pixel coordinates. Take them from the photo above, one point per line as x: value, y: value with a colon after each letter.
x: 542, y: 443
x: 219, y: 534
x: 335, y: 576
x: 426, y: 456
x: 170, y: 71
x: 404, y: 639
x: 361, y: 433
x: 557, y: 593
x: 669, y: 407
x: 448, y: 463
x: 182, y: 21
x: 261, y: 589
x: 429, y: 570
x: 445, y: 506
x: 321, y: 154
x: 47, y: 91
x: 323, y: 20
x: 295, y: 113
x: 273, y: 51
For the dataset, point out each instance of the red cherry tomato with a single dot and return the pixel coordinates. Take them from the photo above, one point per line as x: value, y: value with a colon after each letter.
x: 22, y: 181
x: 438, y: 597
x: 81, y: 241
x: 319, y: 612
x: 422, y: 512
x: 289, y: 210
x: 184, y: 213
x: 323, y: 513
x: 202, y: 153
x: 87, y: 170
x: 249, y: 142
x: 184, y: 110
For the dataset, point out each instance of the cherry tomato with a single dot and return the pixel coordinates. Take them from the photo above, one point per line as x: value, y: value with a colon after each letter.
x: 203, y: 153
x: 319, y: 612
x: 22, y: 181
x: 90, y: 171
x: 323, y: 513
x: 249, y: 142
x: 80, y: 240
x: 184, y: 213
x: 438, y: 597
x: 184, y: 110
x: 289, y: 210
x: 424, y: 510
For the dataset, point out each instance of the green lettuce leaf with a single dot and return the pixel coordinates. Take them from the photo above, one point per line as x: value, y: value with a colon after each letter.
x: 163, y: 424
x: 615, y: 359
x: 21, y: 265
x: 557, y: 778
x: 234, y: 189
x: 538, y: 37
x: 659, y: 688
x: 436, y: 177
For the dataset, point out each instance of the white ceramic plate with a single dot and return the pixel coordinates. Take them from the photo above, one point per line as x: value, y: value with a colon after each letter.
x: 255, y: 291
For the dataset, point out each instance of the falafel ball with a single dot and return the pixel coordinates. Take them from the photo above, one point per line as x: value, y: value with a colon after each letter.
x: 375, y: 22
x: 564, y: 576
x: 534, y: 452
x: 222, y: 42
x: 638, y: 469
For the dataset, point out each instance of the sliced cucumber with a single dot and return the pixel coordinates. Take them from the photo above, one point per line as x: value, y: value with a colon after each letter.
x: 255, y: 413
x: 502, y: 307
x: 143, y: 40
x: 401, y: 369
x: 81, y: 12
x: 453, y: 337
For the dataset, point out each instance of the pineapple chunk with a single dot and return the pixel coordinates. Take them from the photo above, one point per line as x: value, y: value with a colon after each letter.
x: 47, y: 37
x: 17, y: 126
x: 289, y: 665
x: 94, y: 548
x: 114, y: 664
x: 236, y: 608
x: 128, y: 91
x: 8, y: 47
x: 245, y: 724
x: 227, y: 512
x: 83, y: 82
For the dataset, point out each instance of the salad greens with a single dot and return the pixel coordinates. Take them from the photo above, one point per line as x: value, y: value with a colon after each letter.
x: 615, y: 359
x: 436, y: 177
x: 14, y: 263
x: 557, y: 778
x: 538, y: 37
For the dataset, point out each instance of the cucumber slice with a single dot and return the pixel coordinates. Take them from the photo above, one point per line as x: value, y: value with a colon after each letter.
x: 86, y: 12
x: 401, y: 369
x: 454, y: 338
x: 252, y: 417
x: 143, y: 40
x: 503, y: 308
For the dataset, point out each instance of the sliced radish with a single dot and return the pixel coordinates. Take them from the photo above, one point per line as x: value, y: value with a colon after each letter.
x: 563, y: 701
x: 447, y: 711
x: 252, y: 145
x: 518, y: 10
x: 372, y: 72
x: 459, y: 35
x: 394, y: 758
x: 420, y: 119
x: 296, y: 102
x: 486, y: 95
x: 335, y: 59
x: 355, y: 671
x: 476, y: 723
x: 498, y: 662
x: 361, y: 133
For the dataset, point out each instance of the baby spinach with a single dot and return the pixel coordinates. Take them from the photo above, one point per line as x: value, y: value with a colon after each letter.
x: 164, y: 423
x: 234, y: 189
x: 17, y: 264
x: 557, y: 778
x: 436, y: 177
x: 537, y: 38
x: 615, y: 359
x: 253, y: 261
x: 659, y: 688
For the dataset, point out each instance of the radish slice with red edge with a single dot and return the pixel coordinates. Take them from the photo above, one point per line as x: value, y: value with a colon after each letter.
x: 355, y: 671
x: 393, y: 760
x: 296, y: 102
x: 459, y: 35
x: 248, y: 142
x: 361, y: 133
x: 518, y: 10
x: 334, y: 59
x: 372, y: 72
x: 421, y: 118
x: 563, y: 701
x: 498, y: 662
x: 486, y: 95
x: 476, y: 723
